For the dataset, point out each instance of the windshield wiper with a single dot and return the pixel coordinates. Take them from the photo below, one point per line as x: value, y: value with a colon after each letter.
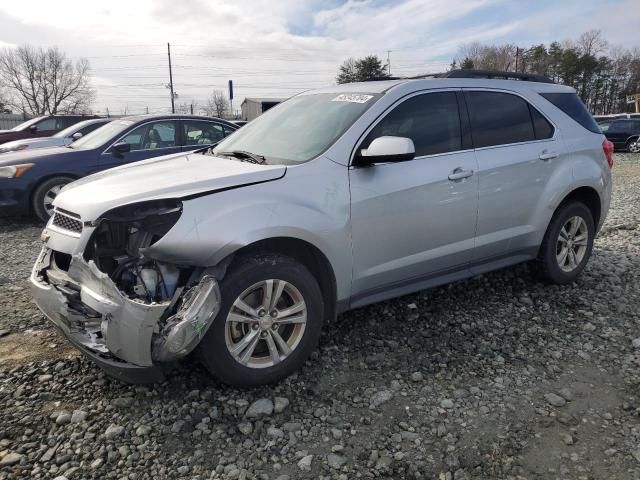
x: 244, y: 156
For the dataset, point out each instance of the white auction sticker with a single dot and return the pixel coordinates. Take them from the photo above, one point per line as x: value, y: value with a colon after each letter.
x: 352, y: 97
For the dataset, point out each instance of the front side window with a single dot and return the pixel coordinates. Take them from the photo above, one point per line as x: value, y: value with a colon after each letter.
x: 50, y: 123
x: 197, y: 132
x: 499, y: 119
x: 301, y: 128
x: 431, y: 120
x: 151, y: 136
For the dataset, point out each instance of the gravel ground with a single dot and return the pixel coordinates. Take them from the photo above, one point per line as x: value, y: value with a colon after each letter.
x: 499, y: 376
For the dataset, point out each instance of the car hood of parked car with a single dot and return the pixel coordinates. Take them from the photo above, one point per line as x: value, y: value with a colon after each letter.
x: 34, y: 143
x: 171, y: 176
x: 31, y: 156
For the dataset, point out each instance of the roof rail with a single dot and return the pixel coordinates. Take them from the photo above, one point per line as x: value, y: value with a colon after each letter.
x: 495, y: 74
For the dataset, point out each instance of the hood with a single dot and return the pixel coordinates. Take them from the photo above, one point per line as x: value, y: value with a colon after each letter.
x: 33, y: 143
x: 171, y: 176
x: 31, y: 156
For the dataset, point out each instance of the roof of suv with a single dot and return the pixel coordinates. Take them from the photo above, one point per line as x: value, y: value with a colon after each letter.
x: 381, y: 86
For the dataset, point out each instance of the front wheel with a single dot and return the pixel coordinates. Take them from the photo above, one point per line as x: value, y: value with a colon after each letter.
x: 45, y: 194
x: 268, y: 324
x: 567, y: 244
x: 633, y: 146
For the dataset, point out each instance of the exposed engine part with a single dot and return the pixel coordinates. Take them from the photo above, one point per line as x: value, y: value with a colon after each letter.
x: 183, y: 330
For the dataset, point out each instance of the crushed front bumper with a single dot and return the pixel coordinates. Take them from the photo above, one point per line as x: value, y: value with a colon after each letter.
x: 116, y: 332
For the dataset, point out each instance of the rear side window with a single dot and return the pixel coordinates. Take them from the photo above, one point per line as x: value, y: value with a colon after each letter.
x: 431, y: 120
x: 543, y: 129
x: 620, y: 126
x: 571, y: 104
x: 499, y: 119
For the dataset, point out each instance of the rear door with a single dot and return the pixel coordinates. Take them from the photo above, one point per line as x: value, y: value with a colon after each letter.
x: 517, y: 149
x: 618, y: 133
x: 151, y: 139
x: 201, y: 133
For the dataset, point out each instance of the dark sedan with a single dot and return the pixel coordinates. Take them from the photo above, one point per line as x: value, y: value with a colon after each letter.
x: 29, y: 181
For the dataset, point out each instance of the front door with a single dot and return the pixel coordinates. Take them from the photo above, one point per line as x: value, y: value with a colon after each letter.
x: 414, y: 219
x: 149, y: 140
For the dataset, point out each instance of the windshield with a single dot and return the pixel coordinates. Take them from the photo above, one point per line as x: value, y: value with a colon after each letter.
x: 67, y: 132
x: 102, y: 135
x: 300, y: 128
x: 26, y: 124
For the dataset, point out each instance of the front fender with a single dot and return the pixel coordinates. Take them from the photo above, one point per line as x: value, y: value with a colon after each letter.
x: 297, y: 206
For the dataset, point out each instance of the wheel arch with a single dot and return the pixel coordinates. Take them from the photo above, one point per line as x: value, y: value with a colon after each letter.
x: 304, y: 252
x: 41, y: 180
x: 588, y: 196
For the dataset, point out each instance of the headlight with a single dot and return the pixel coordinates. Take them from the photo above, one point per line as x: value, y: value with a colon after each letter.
x: 13, y: 171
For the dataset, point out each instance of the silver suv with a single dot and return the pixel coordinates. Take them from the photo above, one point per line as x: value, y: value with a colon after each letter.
x: 335, y: 199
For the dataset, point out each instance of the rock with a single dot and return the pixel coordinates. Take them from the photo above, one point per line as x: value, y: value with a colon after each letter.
x: 336, y: 433
x: 589, y: 327
x: 635, y: 343
x: 122, y: 402
x: 555, y: 400
x: 11, y: 459
x: 409, y: 436
x: 305, y: 463
x: 97, y: 463
x: 275, y: 432
x: 45, y: 378
x: 63, y: 418
x: 143, y: 430
x: 246, y: 428
x: 566, y: 394
x: 336, y: 461
x: 567, y: 439
x: 380, y: 397
x: 260, y: 408
x: 4, y: 332
x: 417, y: 377
x: 447, y: 403
x: 280, y: 403
x: 61, y: 477
x: 183, y: 470
x: 384, y: 462
x: 113, y: 431
x: 78, y: 416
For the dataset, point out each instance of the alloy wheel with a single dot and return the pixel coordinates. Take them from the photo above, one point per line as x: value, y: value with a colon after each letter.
x: 265, y: 323
x: 572, y: 244
x: 49, y: 197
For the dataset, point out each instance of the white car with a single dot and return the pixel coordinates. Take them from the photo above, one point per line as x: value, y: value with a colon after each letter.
x: 61, y: 139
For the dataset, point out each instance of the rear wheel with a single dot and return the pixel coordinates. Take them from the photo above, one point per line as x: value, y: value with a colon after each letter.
x: 45, y: 194
x: 269, y: 322
x: 567, y: 244
x: 633, y: 146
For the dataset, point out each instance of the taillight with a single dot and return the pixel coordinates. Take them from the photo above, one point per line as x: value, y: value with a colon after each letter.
x: 607, y: 148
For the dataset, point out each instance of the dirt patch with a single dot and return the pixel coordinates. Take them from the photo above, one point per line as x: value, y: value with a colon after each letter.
x: 32, y: 346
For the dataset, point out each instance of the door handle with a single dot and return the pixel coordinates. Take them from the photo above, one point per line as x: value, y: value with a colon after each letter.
x: 460, y: 174
x: 544, y: 156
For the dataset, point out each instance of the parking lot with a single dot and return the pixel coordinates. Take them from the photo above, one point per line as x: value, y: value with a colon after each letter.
x: 499, y: 376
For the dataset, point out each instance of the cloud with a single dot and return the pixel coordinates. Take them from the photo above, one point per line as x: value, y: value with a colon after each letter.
x: 277, y: 48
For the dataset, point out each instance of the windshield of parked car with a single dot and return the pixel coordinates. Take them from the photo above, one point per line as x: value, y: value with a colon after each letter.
x: 102, y: 135
x: 299, y: 129
x: 26, y: 124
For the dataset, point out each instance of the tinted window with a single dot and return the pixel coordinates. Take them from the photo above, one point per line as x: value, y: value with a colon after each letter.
x: 50, y: 123
x: 543, y: 129
x: 571, y: 104
x: 65, y: 122
x: 431, y: 121
x: 197, y: 132
x: 151, y: 136
x: 90, y: 128
x: 499, y: 119
x: 619, y: 126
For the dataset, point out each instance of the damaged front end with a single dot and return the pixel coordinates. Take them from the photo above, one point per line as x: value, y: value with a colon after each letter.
x: 118, y: 304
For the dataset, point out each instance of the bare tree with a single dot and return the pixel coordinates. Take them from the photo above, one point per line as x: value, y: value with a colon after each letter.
x: 45, y: 81
x: 592, y: 43
x: 486, y: 57
x: 217, y: 104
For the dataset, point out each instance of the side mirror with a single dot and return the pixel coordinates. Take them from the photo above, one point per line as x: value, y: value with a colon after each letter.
x: 121, y: 148
x: 387, y: 149
x: 76, y: 135
x: 33, y: 128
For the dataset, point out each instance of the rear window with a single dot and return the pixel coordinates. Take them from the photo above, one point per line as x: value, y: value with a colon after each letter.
x: 499, y: 119
x: 571, y: 104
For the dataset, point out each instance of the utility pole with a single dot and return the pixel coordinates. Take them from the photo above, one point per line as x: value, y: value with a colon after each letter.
x: 173, y: 107
x: 517, y: 55
x: 389, y: 62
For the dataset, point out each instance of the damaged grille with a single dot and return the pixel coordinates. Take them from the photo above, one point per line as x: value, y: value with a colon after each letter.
x: 67, y: 222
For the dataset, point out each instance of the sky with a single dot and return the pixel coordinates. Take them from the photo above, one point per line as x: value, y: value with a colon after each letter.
x: 278, y: 48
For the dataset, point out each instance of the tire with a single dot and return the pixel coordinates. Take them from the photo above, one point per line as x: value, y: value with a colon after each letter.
x: 633, y: 145
x: 553, y: 266
x: 223, y: 335
x: 43, y: 192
